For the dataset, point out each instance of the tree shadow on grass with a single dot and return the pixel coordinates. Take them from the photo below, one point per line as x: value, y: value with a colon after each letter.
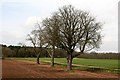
x: 102, y: 70
x: 95, y: 69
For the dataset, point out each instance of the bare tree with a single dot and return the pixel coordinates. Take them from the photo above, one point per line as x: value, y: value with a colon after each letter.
x: 36, y: 38
x: 76, y: 29
x: 51, y: 35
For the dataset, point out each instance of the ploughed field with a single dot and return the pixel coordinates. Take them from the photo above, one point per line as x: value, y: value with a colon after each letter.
x: 27, y: 68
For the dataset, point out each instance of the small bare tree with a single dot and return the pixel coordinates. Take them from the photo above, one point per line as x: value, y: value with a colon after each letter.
x: 36, y: 38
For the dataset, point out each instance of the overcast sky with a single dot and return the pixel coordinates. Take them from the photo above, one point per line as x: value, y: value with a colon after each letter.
x: 17, y: 18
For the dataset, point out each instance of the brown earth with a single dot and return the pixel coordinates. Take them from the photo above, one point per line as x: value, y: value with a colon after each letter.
x: 29, y: 69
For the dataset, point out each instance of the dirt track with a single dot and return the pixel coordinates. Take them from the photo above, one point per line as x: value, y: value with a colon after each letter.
x: 29, y: 69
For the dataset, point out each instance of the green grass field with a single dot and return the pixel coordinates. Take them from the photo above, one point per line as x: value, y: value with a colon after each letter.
x: 93, y: 65
x: 102, y: 63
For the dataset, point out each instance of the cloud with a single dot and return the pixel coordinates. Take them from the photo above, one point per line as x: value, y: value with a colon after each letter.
x: 13, y: 37
x: 109, y: 46
x: 31, y: 21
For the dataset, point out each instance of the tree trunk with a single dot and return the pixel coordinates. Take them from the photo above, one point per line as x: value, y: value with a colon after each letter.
x: 52, y: 60
x: 38, y: 62
x: 52, y: 56
x: 69, y: 62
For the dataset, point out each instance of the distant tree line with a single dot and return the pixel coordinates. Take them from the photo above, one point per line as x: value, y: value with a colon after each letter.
x: 18, y: 51
x: 109, y: 55
x: 21, y: 51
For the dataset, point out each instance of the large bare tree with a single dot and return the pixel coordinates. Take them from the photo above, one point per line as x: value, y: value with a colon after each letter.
x: 76, y: 29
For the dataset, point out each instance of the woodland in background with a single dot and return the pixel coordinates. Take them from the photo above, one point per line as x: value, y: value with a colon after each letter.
x: 26, y: 51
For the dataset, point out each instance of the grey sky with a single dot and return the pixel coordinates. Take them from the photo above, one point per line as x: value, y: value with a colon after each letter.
x: 17, y: 18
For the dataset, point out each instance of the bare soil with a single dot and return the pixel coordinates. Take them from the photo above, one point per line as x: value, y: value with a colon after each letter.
x: 29, y: 69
